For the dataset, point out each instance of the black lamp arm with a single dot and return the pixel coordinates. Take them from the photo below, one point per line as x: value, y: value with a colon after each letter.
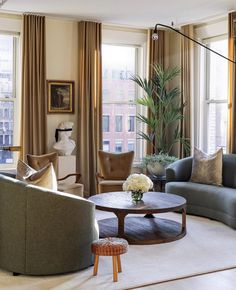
x: 194, y: 40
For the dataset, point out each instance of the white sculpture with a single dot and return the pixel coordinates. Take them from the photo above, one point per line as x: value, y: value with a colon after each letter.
x: 65, y: 145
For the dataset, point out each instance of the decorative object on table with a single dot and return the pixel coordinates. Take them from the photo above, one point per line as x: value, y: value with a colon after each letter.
x: 164, y: 111
x: 60, y: 96
x: 109, y: 247
x: 137, y: 184
x: 207, y: 168
x: 64, y: 145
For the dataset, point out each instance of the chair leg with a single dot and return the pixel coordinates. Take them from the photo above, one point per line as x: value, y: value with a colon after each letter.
x: 95, y: 269
x: 115, y: 274
x: 119, y: 264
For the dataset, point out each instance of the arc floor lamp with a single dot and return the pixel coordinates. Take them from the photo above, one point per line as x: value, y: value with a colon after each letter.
x: 155, y: 37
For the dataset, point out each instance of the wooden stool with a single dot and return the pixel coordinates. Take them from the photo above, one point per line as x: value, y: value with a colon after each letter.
x: 109, y: 247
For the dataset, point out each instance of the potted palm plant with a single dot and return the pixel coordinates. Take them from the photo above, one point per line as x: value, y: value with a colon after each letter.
x: 165, y: 112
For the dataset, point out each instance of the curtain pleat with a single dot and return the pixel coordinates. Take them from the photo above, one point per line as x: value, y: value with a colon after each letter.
x: 90, y: 103
x: 156, y: 50
x: 232, y: 83
x: 186, y: 86
x: 33, y: 126
x: 156, y: 55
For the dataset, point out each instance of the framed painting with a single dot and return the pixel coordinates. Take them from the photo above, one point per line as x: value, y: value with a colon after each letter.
x: 60, y: 96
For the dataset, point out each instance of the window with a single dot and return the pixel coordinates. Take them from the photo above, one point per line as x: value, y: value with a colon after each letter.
x: 120, y: 62
x: 8, y: 95
x: 214, y: 104
x: 118, y: 123
x: 131, y: 121
x: 118, y: 146
x: 131, y: 145
x: 106, y: 123
x: 106, y: 145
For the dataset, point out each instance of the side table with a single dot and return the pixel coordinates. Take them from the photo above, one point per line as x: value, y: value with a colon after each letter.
x: 158, y: 183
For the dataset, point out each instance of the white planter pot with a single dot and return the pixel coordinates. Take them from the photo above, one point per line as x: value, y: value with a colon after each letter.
x: 156, y: 168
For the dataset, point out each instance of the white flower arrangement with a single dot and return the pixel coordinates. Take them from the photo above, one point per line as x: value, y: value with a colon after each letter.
x: 138, y: 182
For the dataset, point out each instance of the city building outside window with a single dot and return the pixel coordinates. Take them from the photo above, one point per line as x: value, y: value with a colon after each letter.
x: 106, y: 145
x: 118, y: 146
x: 120, y: 62
x: 131, y: 122
x: 106, y: 123
x: 131, y: 146
x: 8, y: 95
x: 118, y: 123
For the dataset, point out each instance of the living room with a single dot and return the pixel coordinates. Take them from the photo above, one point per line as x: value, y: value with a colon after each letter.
x: 72, y: 81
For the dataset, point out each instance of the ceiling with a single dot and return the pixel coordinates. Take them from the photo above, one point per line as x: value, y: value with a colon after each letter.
x: 134, y: 13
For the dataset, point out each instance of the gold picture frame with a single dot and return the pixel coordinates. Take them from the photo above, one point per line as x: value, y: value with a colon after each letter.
x: 60, y: 97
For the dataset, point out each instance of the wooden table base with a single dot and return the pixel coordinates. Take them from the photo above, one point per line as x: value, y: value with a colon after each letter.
x: 144, y: 231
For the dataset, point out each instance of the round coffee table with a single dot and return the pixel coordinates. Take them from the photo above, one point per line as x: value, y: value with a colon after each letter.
x: 141, y: 230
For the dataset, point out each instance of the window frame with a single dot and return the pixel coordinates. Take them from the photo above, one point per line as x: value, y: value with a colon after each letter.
x: 205, y: 80
x: 16, y: 96
x: 140, y: 65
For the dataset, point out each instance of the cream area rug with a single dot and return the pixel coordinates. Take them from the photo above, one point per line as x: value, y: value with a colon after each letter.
x: 208, y: 246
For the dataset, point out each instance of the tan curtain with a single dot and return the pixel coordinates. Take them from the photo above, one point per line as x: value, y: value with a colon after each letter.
x: 33, y: 127
x: 156, y: 49
x: 90, y: 103
x: 186, y: 85
x: 156, y: 55
x: 232, y: 84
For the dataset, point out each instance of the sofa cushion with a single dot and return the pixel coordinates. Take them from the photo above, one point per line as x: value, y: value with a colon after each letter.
x: 44, y: 177
x: 206, y: 168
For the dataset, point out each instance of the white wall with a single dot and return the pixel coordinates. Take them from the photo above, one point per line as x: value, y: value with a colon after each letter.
x: 62, y: 64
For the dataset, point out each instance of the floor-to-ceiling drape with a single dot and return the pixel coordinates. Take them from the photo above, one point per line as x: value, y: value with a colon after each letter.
x: 90, y: 103
x: 33, y: 126
x: 156, y: 50
x: 156, y: 55
x: 186, y: 87
x: 232, y: 83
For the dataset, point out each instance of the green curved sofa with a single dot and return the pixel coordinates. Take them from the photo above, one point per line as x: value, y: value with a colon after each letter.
x: 215, y: 202
x: 44, y: 232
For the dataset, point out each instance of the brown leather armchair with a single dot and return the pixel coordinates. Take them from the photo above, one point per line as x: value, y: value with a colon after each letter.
x: 39, y: 161
x: 115, y: 168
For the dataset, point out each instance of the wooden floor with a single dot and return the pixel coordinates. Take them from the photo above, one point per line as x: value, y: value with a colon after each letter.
x: 222, y: 280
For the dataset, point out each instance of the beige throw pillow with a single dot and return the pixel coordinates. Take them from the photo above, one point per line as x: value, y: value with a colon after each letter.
x: 207, y: 168
x: 44, y: 177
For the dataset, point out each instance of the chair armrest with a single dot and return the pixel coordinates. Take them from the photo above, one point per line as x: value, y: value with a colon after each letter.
x: 180, y: 170
x: 99, y: 177
x: 78, y: 176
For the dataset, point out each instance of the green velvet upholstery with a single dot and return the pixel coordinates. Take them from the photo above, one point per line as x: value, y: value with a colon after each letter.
x: 44, y: 232
x: 216, y: 202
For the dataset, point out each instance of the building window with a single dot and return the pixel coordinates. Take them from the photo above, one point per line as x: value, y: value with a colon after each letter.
x: 131, y: 145
x: 106, y: 145
x: 131, y: 121
x: 106, y: 123
x: 120, y: 62
x: 8, y: 95
x: 118, y: 123
x: 214, y: 105
x: 118, y: 146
